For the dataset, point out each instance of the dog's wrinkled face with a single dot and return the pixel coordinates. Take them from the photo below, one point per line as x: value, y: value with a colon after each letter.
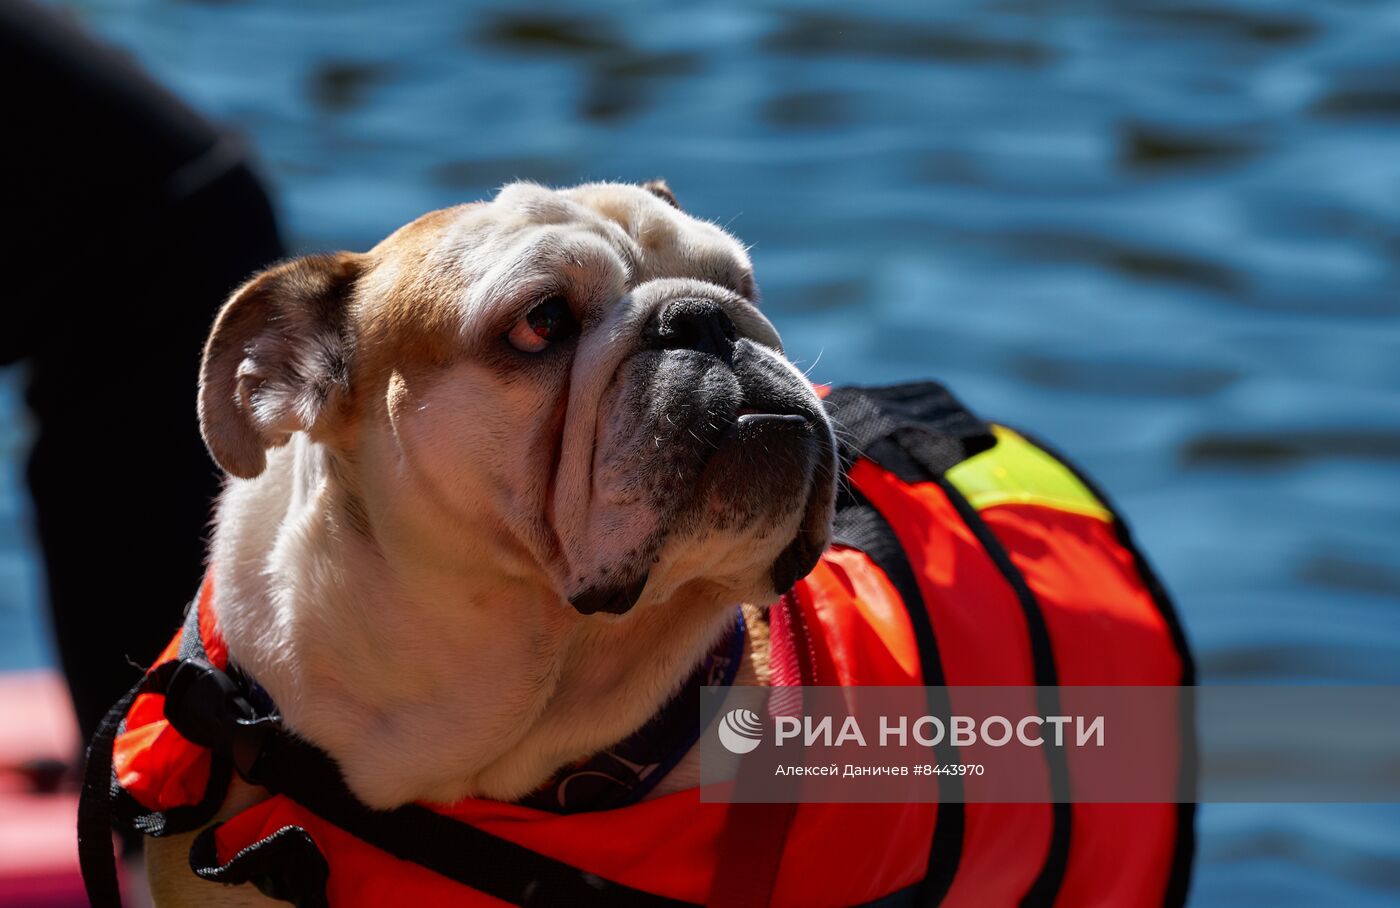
x: 574, y: 387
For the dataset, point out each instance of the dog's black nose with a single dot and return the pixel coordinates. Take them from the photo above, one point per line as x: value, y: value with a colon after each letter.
x: 692, y: 324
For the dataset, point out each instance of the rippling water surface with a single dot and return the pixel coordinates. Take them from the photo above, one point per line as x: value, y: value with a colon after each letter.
x: 1166, y: 235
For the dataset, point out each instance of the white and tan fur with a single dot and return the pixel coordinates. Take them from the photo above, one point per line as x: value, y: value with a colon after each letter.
x: 414, y: 504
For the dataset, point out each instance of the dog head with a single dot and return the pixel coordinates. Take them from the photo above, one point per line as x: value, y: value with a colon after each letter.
x: 574, y: 388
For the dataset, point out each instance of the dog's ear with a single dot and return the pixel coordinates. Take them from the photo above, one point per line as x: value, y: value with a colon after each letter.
x: 662, y: 191
x: 277, y: 360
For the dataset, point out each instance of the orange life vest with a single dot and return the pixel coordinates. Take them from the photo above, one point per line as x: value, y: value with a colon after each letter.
x: 964, y: 554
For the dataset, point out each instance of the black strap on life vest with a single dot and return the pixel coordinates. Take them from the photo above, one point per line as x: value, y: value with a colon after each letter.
x: 213, y: 709
x: 860, y: 526
x: 918, y: 432
x: 131, y: 813
x: 285, y: 865
x: 103, y: 802
x: 1046, y: 885
x: 1184, y: 852
x: 95, y: 856
x: 915, y: 431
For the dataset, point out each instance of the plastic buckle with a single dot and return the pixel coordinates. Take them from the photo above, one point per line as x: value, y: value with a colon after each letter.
x: 208, y: 708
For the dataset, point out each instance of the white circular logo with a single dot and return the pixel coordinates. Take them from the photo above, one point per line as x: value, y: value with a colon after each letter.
x: 740, y: 731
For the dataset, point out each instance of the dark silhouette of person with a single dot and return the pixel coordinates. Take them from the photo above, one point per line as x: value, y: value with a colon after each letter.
x: 128, y: 219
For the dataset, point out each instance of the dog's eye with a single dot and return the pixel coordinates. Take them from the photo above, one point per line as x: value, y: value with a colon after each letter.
x: 545, y: 324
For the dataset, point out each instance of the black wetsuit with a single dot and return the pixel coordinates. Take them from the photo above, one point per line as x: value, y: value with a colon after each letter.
x: 128, y: 218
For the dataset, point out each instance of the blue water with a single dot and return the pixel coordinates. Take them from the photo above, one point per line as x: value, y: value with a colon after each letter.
x: 1165, y: 235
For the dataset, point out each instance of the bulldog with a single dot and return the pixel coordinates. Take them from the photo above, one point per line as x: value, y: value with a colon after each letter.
x: 496, y: 487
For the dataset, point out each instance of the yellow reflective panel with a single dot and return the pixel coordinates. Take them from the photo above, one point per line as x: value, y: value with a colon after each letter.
x: 1017, y: 472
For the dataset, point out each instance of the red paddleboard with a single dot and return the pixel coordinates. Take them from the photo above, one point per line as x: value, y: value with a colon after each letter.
x: 38, y: 827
